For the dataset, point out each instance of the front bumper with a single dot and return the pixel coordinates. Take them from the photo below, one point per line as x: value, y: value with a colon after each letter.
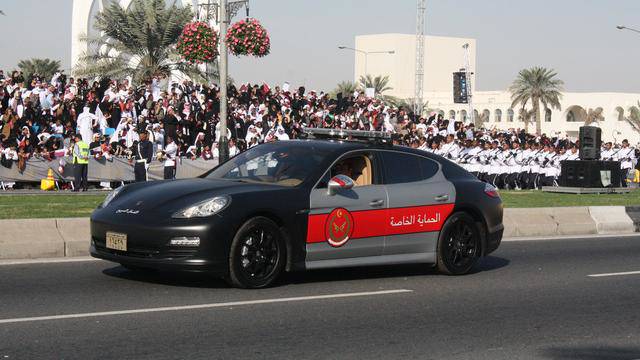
x: 148, y: 242
x: 190, y: 264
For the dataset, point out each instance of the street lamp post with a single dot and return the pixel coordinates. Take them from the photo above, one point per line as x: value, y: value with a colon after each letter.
x: 224, y: 10
x: 223, y: 147
x: 468, y: 74
x: 622, y: 27
x: 366, y: 55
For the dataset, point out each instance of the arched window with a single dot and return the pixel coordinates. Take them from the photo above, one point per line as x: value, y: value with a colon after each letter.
x: 620, y: 113
x: 547, y: 115
x: 497, y: 115
x: 486, y: 115
x: 510, y: 115
x: 441, y: 113
x: 452, y: 114
x: 476, y: 115
x: 463, y: 115
x: 576, y: 113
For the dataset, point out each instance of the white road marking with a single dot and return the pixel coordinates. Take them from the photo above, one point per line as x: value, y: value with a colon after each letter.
x: 616, y: 274
x: 570, y: 237
x: 202, y: 306
x: 47, y: 260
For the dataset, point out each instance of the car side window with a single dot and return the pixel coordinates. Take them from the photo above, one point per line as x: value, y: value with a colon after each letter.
x: 428, y: 168
x: 400, y: 168
x: 358, y: 167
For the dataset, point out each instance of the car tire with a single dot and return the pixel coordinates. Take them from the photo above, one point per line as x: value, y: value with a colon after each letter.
x: 458, y: 245
x: 257, y: 254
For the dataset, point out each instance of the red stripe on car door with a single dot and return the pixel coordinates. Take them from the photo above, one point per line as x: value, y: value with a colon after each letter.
x: 385, y: 222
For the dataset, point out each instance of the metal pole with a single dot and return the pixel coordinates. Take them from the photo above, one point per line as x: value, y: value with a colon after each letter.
x: 418, y: 97
x: 467, y: 68
x: 223, y: 146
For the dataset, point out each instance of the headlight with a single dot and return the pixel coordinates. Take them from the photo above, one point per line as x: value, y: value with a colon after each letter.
x: 204, y: 208
x: 112, y: 195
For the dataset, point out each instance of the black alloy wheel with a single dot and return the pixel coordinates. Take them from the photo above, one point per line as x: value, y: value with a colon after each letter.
x: 257, y: 255
x: 458, y: 245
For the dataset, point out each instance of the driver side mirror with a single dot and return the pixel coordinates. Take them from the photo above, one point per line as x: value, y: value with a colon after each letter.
x: 339, y: 182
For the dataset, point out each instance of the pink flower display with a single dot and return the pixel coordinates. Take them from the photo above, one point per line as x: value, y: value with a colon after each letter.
x: 248, y: 37
x: 198, y: 43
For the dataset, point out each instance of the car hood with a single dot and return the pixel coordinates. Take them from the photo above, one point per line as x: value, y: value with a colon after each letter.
x: 167, y: 197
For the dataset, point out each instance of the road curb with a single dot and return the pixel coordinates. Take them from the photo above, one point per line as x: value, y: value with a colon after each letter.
x: 634, y: 214
x: 69, y: 237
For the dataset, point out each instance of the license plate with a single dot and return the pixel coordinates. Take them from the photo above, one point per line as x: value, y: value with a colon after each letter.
x: 116, y: 241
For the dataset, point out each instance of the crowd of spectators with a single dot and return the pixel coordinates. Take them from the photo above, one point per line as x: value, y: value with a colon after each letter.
x: 40, y: 116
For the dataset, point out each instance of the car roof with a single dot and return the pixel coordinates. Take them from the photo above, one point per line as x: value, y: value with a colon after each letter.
x: 341, y: 146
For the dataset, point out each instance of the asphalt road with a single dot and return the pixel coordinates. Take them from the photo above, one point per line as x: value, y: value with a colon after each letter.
x: 531, y: 299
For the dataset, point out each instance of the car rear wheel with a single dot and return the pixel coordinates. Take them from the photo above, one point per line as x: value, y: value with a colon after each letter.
x: 257, y: 255
x: 458, y: 245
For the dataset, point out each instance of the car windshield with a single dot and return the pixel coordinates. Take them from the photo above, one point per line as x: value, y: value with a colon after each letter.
x: 272, y: 163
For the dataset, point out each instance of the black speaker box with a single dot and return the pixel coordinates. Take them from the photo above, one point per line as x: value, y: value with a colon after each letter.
x: 590, y: 142
x: 586, y: 173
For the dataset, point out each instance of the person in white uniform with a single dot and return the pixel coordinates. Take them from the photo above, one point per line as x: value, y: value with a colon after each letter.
x: 170, y: 153
x: 626, y: 155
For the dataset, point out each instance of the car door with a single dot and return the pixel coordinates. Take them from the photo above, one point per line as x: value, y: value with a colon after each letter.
x: 345, y: 228
x: 420, y: 200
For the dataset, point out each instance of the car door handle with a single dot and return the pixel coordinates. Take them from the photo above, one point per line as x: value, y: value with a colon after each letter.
x: 443, y: 197
x: 376, y: 203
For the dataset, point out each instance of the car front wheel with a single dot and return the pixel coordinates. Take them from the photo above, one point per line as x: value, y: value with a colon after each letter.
x: 257, y: 255
x: 458, y: 245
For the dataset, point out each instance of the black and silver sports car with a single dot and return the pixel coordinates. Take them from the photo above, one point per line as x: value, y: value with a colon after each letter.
x: 304, y: 204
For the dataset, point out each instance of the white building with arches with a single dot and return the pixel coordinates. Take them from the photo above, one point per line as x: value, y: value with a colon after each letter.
x: 444, y: 56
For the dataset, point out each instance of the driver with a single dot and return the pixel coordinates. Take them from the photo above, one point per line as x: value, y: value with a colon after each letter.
x: 343, y: 168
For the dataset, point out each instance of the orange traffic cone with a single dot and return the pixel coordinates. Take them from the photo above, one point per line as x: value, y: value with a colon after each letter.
x: 50, y: 174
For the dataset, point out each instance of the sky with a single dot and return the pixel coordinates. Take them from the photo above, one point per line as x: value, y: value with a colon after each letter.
x: 577, y: 38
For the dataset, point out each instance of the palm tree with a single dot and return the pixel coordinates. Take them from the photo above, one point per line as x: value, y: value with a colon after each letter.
x: 379, y: 83
x: 634, y: 117
x: 536, y: 85
x: 410, y: 105
x: 43, y: 67
x: 345, y: 87
x: 594, y: 116
x: 138, y: 41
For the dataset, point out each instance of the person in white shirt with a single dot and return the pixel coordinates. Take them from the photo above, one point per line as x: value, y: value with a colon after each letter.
x: 233, y: 149
x: 57, y: 128
x: 512, y: 167
x: 573, y: 153
x: 450, y: 149
x: 607, y: 152
x: 626, y: 155
x: 495, y: 163
x: 86, y: 121
x: 158, y: 136
x: 281, y: 134
x: 170, y: 153
x: 474, y: 165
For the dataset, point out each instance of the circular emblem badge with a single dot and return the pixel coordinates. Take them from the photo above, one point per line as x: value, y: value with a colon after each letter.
x: 339, y: 227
